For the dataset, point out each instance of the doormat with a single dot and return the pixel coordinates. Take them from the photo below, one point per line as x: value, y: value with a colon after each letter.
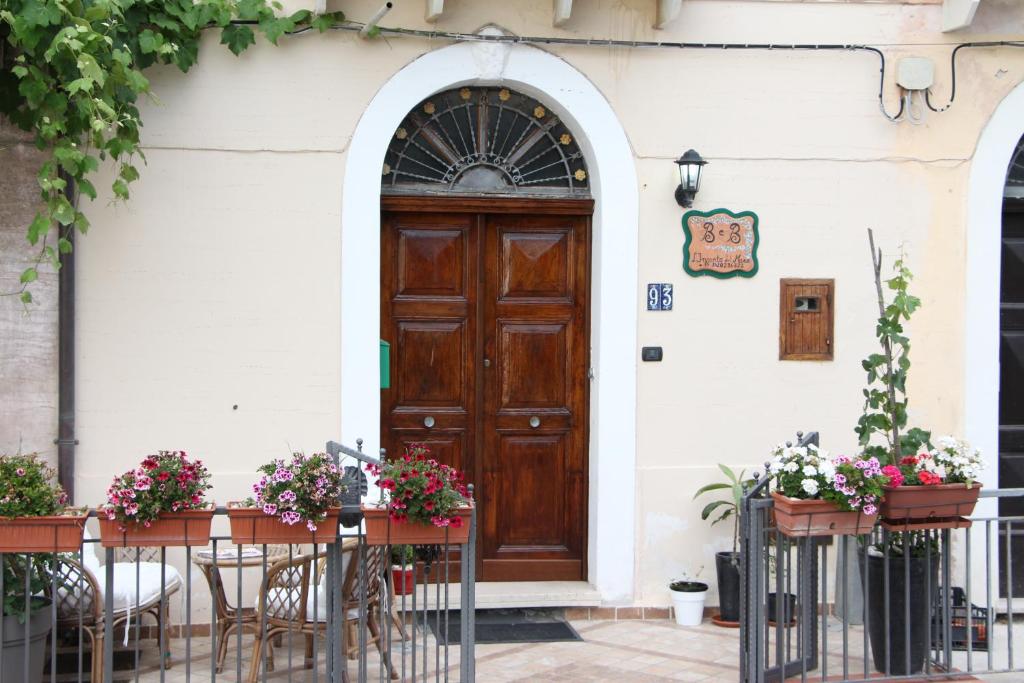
x: 505, y: 626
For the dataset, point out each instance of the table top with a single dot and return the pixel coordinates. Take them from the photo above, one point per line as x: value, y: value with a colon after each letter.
x: 252, y: 556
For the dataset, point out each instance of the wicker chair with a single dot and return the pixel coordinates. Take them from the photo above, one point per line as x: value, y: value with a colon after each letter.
x: 287, y: 605
x: 79, y: 600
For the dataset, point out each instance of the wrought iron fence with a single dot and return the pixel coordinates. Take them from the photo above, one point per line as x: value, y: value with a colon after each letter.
x: 332, y: 612
x: 907, y: 602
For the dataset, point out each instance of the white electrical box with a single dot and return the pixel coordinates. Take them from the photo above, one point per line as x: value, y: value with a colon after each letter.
x: 915, y: 73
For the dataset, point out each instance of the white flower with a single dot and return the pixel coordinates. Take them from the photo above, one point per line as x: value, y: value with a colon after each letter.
x: 828, y: 470
x: 810, y: 471
x: 791, y: 467
x: 810, y: 487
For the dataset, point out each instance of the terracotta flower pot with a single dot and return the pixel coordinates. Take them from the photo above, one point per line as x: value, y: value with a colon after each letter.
x: 381, y: 530
x: 796, y: 517
x: 52, y: 534
x: 929, y: 502
x: 185, y: 528
x: 255, y: 527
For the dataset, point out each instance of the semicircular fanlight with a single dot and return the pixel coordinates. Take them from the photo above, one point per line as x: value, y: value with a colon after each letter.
x: 484, y: 141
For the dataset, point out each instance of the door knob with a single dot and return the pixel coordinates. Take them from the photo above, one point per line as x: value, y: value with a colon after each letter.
x: 487, y: 362
x: 428, y: 422
x: 534, y: 422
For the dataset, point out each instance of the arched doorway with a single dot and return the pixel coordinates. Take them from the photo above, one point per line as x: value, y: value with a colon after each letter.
x: 987, y: 189
x: 485, y: 299
x: 611, y: 499
x: 1011, y: 361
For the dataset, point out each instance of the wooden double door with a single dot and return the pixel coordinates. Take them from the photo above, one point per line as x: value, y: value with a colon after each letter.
x: 485, y: 304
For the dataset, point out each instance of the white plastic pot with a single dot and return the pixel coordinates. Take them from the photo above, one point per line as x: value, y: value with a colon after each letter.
x: 689, y: 606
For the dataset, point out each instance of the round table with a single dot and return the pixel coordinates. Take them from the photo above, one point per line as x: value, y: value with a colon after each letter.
x: 233, y: 619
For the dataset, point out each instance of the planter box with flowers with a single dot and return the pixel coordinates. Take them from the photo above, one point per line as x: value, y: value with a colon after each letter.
x: 160, y: 503
x: 427, y: 503
x: 934, y: 484
x: 296, y: 502
x: 820, y: 496
x: 33, y: 517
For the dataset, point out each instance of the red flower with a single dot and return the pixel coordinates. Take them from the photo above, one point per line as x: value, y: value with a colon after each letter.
x: 929, y: 479
x: 456, y: 522
x: 163, y: 476
x: 894, y: 474
x: 909, y: 460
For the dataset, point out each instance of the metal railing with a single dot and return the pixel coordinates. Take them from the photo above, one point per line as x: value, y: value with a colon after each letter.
x: 331, y: 612
x: 889, y: 618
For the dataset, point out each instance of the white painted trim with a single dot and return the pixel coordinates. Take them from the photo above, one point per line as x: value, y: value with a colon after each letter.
x: 612, y: 506
x: 984, y: 248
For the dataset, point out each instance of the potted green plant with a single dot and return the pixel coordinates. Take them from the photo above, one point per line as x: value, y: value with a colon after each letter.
x: 34, y: 520
x: 688, y: 597
x: 820, y: 496
x: 727, y: 564
x: 296, y: 501
x: 403, y: 569
x: 883, y: 432
x: 160, y: 503
x: 424, y: 502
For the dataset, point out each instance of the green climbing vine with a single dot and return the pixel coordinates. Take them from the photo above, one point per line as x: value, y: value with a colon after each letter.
x: 885, y: 398
x: 73, y: 74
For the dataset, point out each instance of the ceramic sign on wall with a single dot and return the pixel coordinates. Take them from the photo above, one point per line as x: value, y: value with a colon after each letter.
x: 720, y: 243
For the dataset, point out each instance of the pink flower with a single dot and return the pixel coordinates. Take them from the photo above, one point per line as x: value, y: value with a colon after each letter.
x: 20, y: 471
x: 310, y: 525
x: 270, y: 509
x: 870, y: 510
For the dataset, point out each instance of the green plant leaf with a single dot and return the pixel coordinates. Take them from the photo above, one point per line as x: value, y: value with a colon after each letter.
x: 29, y: 275
x: 711, y: 507
x: 237, y: 38
x: 728, y: 472
x: 710, y: 487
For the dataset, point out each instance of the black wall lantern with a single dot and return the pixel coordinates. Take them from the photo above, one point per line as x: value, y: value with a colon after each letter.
x: 690, y: 166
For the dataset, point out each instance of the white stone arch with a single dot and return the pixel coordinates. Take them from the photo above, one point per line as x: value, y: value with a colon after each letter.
x: 985, y: 187
x: 984, y: 218
x: 551, y: 80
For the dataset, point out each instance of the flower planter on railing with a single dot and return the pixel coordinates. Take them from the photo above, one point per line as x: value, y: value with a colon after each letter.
x: 929, y: 502
x: 381, y: 530
x: 172, y: 529
x: 800, y: 518
x: 49, y: 534
x: 252, y: 526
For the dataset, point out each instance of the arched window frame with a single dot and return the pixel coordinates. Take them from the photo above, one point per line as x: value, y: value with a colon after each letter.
x: 484, y: 141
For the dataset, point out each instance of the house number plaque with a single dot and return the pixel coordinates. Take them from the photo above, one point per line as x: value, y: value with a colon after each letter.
x: 720, y: 243
x: 659, y: 296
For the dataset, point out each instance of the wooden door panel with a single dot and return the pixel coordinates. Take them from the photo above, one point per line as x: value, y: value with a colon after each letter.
x: 432, y: 263
x: 430, y: 371
x: 536, y: 264
x: 533, y: 361
x: 534, y: 463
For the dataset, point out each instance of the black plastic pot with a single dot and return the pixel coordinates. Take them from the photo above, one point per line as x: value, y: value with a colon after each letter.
x: 915, y: 592
x: 727, y: 565
x: 39, y: 626
x: 788, y: 607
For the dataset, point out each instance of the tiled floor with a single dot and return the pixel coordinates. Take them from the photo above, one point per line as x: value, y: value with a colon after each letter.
x: 621, y: 651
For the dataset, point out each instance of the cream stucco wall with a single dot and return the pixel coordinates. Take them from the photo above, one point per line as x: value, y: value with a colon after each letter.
x: 219, y: 284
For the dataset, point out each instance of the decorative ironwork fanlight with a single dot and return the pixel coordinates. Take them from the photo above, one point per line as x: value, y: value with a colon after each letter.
x: 484, y: 141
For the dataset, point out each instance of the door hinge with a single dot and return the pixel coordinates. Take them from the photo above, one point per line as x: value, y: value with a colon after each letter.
x: 590, y: 373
